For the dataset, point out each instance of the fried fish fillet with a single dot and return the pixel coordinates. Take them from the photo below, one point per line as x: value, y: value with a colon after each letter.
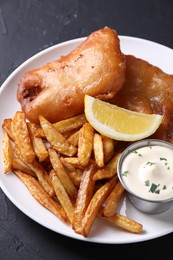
x: 56, y: 90
x: 148, y: 89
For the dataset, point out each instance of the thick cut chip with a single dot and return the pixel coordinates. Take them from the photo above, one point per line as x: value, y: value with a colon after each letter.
x: 43, y: 177
x: 95, y: 204
x: 98, y: 150
x: 74, y: 138
x: 67, y: 165
x: 38, y: 144
x: 19, y: 165
x: 66, y: 125
x: 56, y: 139
x: 7, y: 153
x: 70, y: 124
x: 125, y: 223
x: 85, y: 144
x: 7, y: 126
x: 74, y: 161
x: 76, y: 177
x: 62, y: 195
x: 109, y: 170
x: 113, y: 200
x: 108, y: 148
x: 84, y: 196
x: 22, y: 137
x: 41, y: 196
x: 62, y: 174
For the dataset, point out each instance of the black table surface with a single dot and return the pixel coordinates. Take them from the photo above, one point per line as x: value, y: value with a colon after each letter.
x: 29, y: 26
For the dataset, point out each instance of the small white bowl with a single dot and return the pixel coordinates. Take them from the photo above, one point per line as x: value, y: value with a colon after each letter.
x: 142, y: 204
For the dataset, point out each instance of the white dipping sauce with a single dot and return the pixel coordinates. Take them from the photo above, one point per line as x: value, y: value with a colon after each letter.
x: 148, y: 172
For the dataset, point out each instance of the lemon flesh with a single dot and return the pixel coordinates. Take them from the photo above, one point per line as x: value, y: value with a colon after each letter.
x: 119, y: 123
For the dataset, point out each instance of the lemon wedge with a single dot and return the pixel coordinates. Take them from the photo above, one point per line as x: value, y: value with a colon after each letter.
x: 119, y: 123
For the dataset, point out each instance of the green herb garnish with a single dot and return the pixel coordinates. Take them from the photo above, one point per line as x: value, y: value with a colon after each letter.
x: 163, y: 159
x: 166, y: 163
x: 147, y: 183
x: 137, y: 153
x: 125, y: 173
x: 154, y: 189
x: 150, y: 163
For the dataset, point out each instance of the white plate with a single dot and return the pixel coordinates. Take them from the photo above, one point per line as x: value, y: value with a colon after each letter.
x: 101, y: 232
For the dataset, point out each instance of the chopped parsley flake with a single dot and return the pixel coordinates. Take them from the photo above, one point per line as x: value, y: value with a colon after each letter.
x: 125, y: 173
x: 166, y: 163
x: 163, y: 159
x: 154, y: 189
x: 147, y: 183
x: 137, y: 153
x: 150, y: 163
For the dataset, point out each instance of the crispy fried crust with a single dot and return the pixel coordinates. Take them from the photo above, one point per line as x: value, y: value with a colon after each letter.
x: 148, y: 89
x: 56, y: 90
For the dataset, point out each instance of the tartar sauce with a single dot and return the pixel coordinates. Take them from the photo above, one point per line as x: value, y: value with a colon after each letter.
x: 148, y: 172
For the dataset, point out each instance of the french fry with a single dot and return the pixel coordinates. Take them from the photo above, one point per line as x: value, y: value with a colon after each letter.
x: 124, y: 223
x: 39, y: 133
x: 22, y: 137
x: 98, y: 150
x: 109, y: 170
x: 38, y: 144
x: 78, y: 189
x: 7, y: 153
x: 20, y: 155
x: 74, y: 161
x: 56, y: 139
x: 84, y: 196
x: 41, y: 196
x: 95, y: 204
x: 85, y: 144
x: 113, y: 200
x: 62, y: 174
x: 67, y: 165
x: 7, y: 127
x: 18, y: 164
x: 42, y: 177
x: 66, y: 125
x: 68, y: 134
x: 76, y: 177
x: 69, y: 124
x: 108, y: 148
x: 62, y: 195
x: 74, y: 138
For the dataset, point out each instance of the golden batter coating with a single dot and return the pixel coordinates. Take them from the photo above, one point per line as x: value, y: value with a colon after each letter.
x: 56, y: 90
x: 148, y: 89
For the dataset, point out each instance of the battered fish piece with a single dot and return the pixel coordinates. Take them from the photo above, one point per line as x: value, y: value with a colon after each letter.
x: 148, y: 89
x: 56, y: 90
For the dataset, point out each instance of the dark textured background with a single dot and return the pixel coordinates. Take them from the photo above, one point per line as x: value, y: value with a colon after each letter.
x: 29, y: 26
